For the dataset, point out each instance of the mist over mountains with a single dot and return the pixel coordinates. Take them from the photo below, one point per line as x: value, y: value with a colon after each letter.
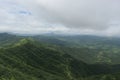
x: 59, y: 40
x: 59, y: 16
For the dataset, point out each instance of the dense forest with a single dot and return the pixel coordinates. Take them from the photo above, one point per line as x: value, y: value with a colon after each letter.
x: 58, y: 57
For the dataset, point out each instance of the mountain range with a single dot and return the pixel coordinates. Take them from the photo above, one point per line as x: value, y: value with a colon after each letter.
x: 59, y: 57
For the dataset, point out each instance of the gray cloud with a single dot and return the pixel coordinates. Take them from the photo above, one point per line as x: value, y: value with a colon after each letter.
x: 95, y: 17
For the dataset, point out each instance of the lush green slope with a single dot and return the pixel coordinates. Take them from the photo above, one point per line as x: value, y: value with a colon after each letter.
x: 26, y: 59
x: 7, y: 39
x: 59, y: 58
x: 104, y: 77
x: 90, y: 49
x: 91, y: 56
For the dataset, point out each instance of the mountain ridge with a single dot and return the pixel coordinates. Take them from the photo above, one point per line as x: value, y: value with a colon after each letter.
x: 31, y: 58
x: 39, y: 58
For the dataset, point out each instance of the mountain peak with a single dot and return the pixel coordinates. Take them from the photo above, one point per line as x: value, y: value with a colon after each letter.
x: 24, y: 41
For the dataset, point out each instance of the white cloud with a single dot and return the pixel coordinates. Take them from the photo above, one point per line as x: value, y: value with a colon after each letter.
x: 95, y: 17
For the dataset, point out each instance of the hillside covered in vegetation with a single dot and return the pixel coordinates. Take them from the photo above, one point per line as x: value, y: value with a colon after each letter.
x: 42, y: 58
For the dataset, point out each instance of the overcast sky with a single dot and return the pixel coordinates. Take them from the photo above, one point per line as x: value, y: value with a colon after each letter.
x: 94, y: 17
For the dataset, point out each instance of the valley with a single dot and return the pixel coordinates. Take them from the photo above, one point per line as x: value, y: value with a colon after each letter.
x: 58, y: 58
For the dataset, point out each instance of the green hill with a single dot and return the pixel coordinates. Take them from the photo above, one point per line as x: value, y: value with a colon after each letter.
x: 58, y: 58
x: 28, y: 61
x: 7, y: 39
